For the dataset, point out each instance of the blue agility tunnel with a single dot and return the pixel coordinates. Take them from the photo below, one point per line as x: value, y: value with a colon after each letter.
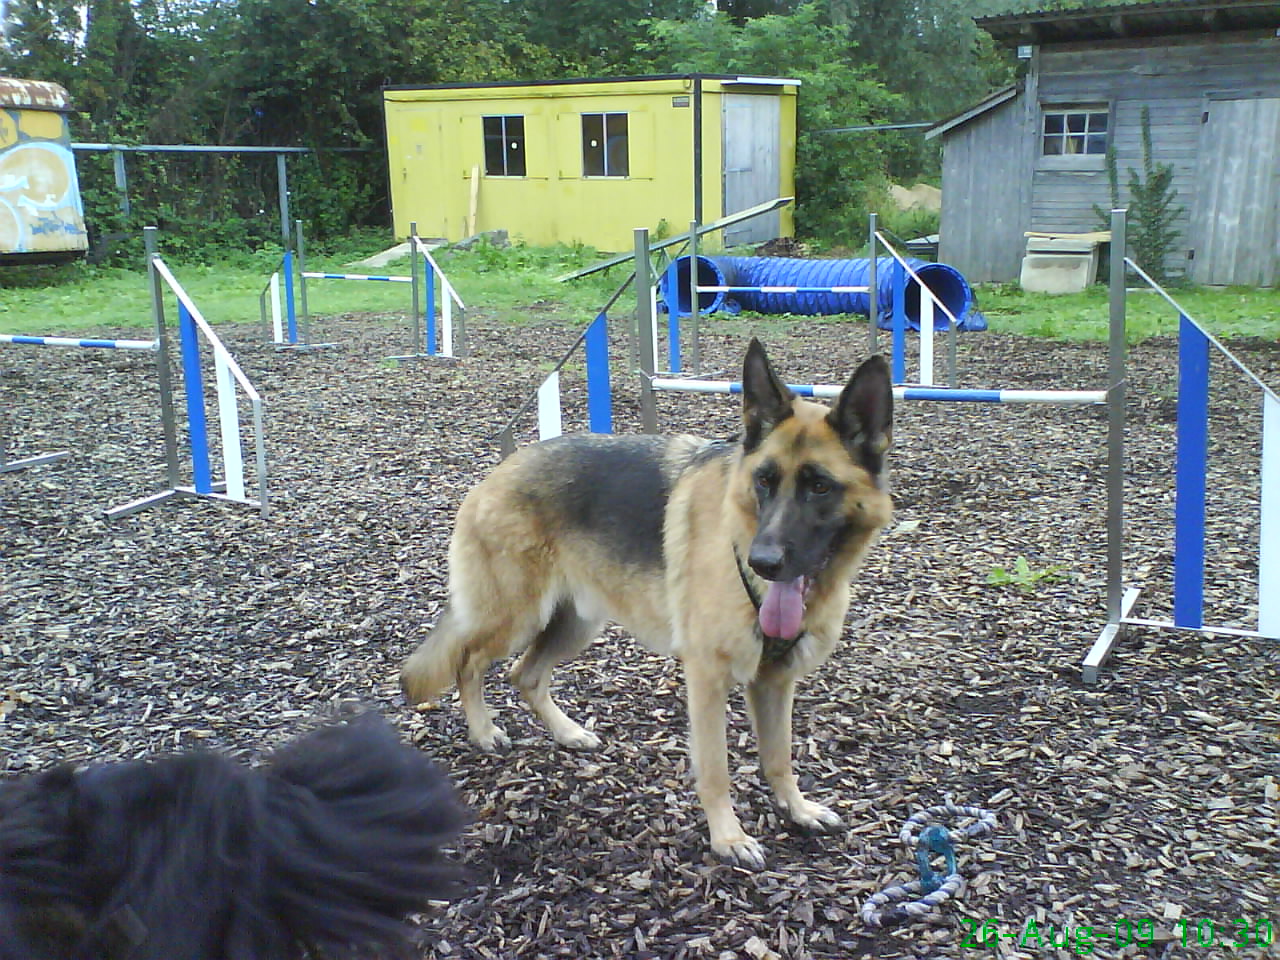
x: 813, y: 280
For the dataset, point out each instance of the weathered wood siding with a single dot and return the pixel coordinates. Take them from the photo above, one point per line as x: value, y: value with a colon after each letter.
x: 1235, y: 230
x: 983, y: 211
x: 1177, y: 78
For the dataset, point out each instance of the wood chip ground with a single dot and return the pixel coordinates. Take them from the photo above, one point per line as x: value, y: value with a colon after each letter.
x: 1150, y: 797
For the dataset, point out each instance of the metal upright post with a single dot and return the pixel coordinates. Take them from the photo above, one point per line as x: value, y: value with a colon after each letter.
x: 122, y: 180
x: 1115, y: 421
x: 697, y: 147
x: 1119, y: 600
x: 282, y: 184
x: 460, y: 349
x: 953, y: 376
x: 694, y: 304
x: 417, y: 300
x: 873, y: 290
x: 644, y: 333
x: 302, y: 282
x: 164, y: 377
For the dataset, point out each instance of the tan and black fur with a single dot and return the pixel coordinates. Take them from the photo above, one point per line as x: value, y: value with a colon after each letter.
x: 695, y: 547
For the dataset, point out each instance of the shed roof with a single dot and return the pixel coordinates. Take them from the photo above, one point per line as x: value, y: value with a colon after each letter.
x: 989, y: 102
x: 1160, y: 19
x: 729, y: 79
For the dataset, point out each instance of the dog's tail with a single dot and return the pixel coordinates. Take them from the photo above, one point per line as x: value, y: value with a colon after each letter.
x: 433, y: 667
x: 357, y: 822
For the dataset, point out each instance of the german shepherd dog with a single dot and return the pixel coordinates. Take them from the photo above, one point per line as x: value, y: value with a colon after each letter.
x: 734, y: 556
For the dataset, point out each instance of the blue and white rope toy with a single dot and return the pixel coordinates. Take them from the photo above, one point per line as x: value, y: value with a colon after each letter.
x: 931, y: 889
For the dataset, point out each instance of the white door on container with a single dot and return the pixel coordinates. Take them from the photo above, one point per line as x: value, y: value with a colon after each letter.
x: 1236, y: 230
x: 750, y: 126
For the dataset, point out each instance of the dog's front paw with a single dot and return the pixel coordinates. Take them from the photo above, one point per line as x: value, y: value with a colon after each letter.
x: 579, y: 738
x: 745, y: 851
x: 491, y: 740
x: 813, y: 816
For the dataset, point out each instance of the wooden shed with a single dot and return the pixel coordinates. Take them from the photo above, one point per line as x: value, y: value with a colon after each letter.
x: 1031, y: 157
x: 41, y: 215
x: 588, y: 161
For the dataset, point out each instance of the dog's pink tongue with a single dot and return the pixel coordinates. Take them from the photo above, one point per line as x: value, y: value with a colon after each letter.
x: 782, y: 609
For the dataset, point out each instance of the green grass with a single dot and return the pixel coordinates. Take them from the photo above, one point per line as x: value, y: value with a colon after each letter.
x: 57, y: 301
x: 517, y: 285
x: 1231, y: 312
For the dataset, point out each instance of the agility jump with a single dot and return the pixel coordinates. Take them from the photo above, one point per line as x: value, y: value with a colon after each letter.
x: 1194, y: 343
x: 229, y: 378
x: 448, y: 340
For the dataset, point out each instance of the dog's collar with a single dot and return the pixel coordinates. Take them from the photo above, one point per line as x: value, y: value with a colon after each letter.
x: 773, y: 648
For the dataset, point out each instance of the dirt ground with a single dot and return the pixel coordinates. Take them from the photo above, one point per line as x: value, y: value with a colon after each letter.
x: 1146, y: 804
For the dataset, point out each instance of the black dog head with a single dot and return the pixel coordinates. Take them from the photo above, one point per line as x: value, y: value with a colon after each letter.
x: 324, y: 852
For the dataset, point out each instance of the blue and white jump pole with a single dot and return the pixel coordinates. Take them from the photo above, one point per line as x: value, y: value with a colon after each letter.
x: 451, y: 341
x: 9, y: 466
x: 73, y: 342
x: 228, y: 376
x: 827, y: 391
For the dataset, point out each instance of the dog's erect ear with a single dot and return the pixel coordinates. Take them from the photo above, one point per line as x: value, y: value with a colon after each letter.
x: 766, y: 401
x: 863, y: 416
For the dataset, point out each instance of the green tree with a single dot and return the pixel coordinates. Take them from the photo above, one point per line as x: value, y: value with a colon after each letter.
x: 833, y: 174
x: 1150, y: 226
x: 595, y: 37
x: 740, y: 11
x: 40, y: 40
x: 930, y: 53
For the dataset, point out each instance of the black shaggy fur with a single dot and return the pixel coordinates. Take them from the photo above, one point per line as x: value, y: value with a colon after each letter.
x: 322, y: 853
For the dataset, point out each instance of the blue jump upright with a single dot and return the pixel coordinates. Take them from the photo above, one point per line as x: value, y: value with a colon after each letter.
x: 1193, y: 452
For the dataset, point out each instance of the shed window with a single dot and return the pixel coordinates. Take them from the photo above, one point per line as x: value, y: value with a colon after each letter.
x: 1076, y: 131
x: 504, y: 146
x: 604, y: 145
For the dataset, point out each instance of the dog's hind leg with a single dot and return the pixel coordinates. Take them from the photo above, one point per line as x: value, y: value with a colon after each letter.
x: 458, y: 652
x: 497, y: 637
x: 565, y: 635
x: 770, y: 697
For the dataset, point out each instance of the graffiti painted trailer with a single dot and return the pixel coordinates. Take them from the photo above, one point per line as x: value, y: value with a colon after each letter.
x: 41, y: 215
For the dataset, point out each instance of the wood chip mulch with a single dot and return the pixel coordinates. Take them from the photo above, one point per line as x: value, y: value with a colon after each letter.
x: 1150, y: 797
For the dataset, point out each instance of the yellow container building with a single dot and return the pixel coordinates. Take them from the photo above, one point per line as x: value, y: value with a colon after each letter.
x: 588, y: 161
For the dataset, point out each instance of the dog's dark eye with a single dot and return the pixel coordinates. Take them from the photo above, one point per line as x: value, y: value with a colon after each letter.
x: 819, y: 488
x: 764, y: 481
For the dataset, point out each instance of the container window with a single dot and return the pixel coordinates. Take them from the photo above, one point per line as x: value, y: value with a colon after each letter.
x: 504, y: 146
x: 604, y: 145
x: 1076, y: 131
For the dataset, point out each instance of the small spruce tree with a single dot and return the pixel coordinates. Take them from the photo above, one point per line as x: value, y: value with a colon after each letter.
x: 1151, y: 233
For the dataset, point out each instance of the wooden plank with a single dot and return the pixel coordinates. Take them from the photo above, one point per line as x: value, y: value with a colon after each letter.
x: 474, y: 206
x: 1237, y: 211
x: 981, y: 216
